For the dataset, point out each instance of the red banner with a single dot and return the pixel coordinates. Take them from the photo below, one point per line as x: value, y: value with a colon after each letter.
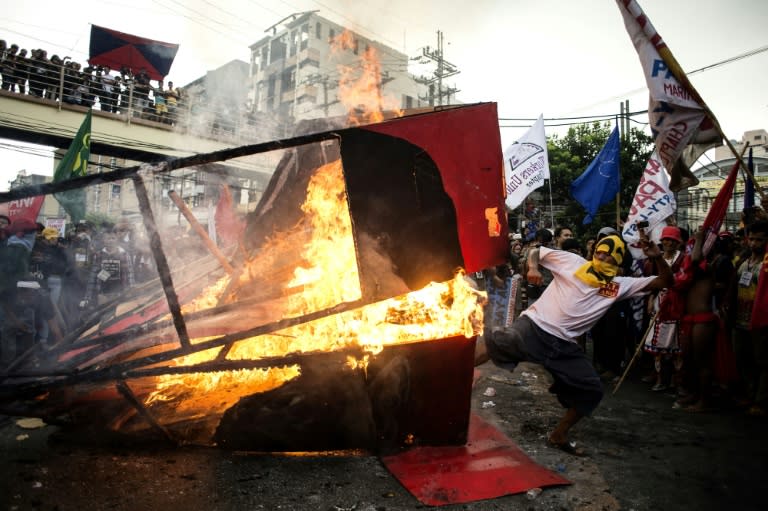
x: 27, y: 207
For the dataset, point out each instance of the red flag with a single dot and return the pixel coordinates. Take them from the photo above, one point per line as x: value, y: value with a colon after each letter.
x: 229, y: 226
x: 711, y: 226
x: 117, y: 49
x: 759, y: 317
x: 716, y: 214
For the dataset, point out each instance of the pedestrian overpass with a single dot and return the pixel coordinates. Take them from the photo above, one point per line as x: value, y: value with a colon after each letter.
x: 29, y: 119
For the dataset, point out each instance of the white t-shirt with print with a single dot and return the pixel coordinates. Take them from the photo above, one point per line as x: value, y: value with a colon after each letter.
x: 569, y: 307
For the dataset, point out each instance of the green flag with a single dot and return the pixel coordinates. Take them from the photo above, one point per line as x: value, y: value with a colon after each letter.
x: 75, y: 164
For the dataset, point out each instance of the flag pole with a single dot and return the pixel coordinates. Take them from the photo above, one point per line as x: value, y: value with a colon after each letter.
x: 551, y: 207
x: 622, y: 134
x: 678, y: 73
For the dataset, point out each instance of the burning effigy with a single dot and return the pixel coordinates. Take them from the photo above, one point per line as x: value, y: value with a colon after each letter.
x: 343, y: 319
x: 338, y: 317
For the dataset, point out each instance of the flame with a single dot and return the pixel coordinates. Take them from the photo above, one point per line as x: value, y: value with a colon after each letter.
x: 344, y: 41
x: 360, y: 85
x: 328, y: 276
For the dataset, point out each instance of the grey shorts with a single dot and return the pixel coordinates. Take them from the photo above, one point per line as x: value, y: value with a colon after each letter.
x: 577, y: 384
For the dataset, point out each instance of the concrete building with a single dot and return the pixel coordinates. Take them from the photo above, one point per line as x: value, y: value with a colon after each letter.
x: 296, y: 70
x: 694, y: 203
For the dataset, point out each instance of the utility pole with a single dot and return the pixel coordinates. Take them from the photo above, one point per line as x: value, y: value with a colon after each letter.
x: 444, y: 70
x: 316, y: 78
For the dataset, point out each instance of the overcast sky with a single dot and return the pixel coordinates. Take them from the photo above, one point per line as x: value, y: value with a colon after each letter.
x: 560, y: 58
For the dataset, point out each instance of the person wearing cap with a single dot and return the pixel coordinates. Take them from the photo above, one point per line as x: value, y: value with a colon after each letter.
x: 546, y: 333
x: 50, y: 263
x: 666, y: 309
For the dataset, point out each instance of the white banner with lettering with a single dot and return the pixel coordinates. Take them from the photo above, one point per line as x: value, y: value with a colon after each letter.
x: 526, y: 165
x: 653, y: 203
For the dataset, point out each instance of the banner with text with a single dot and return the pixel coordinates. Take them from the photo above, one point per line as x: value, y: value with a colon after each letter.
x: 653, y: 203
x: 677, y: 116
x: 28, y: 208
x: 526, y: 165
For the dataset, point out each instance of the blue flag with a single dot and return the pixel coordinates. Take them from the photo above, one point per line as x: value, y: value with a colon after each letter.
x: 599, y: 184
x: 749, y: 188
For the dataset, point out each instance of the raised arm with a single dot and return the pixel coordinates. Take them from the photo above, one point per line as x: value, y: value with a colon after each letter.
x: 533, y: 275
x: 664, y: 279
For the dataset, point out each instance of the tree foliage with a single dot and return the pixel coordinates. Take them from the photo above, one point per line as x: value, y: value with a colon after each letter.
x: 570, y: 156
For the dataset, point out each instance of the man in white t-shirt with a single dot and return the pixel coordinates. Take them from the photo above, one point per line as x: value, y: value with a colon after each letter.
x: 546, y: 333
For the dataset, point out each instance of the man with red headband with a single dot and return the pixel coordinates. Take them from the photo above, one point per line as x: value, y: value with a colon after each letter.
x: 546, y: 333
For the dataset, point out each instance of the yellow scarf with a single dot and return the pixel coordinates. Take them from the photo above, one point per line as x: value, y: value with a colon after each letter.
x: 596, y: 273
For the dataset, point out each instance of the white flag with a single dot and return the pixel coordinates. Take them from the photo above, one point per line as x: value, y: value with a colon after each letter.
x: 653, y: 203
x: 526, y: 165
x: 677, y: 118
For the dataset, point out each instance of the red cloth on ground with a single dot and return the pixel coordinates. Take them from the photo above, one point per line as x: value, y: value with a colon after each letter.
x: 488, y: 466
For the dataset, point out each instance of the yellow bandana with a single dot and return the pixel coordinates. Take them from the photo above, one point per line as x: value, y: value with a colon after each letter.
x: 598, y: 273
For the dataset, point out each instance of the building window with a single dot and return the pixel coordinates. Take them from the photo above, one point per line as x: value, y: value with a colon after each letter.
x: 331, y: 35
x: 319, y: 30
x: 278, y: 49
x: 294, y: 42
x: 288, y: 79
x: 356, y: 46
x: 115, y: 191
x: 304, y: 37
x: 408, y: 101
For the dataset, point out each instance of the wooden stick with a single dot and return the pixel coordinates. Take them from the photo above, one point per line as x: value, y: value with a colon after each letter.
x: 116, y: 371
x: 209, y: 244
x: 678, y: 73
x: 161, y: 261
x: 129, y: 396
x: 637, y: 352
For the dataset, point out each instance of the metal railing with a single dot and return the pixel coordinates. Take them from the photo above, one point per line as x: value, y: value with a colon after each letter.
x: 62, y: 82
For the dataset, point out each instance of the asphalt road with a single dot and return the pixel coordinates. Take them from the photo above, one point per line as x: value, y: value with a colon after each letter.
x: 643, y: 455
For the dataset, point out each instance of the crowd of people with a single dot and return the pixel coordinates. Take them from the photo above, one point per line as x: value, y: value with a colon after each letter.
x: 35, y: 74
x: 677, y: 318
x: 50, y: 284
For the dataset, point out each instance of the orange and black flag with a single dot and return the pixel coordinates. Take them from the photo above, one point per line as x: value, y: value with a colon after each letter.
x: 75, y: 164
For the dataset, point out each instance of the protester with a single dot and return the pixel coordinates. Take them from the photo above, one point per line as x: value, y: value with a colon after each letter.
x: 14, y: 266
x: 533, y: 291
x: 698, y: 277
x: 49, y: 262
x: 580, y: 293
x: 562, y: 234
x: 111, y: 272
x: 610, y: 334
x: 572, y: 245
x: 666, y: 309
x: 751, y: 345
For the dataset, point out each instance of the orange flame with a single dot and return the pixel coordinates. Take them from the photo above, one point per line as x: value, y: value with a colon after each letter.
x: 343, y: 41
x: 360, y: 85
x: 328, y: 276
